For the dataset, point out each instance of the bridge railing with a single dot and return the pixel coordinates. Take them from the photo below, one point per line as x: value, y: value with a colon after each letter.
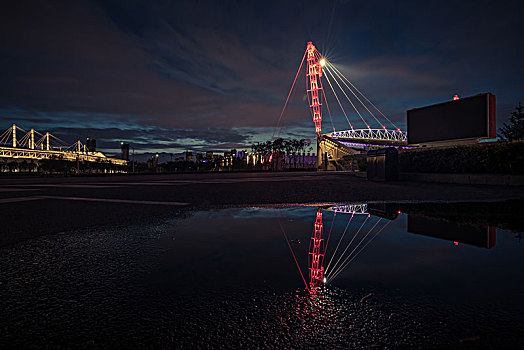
x: 371, y: 134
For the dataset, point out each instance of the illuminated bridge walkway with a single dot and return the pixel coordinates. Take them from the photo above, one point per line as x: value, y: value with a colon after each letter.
x: 16, y: 142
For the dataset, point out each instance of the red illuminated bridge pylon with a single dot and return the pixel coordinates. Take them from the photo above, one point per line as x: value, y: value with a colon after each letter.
x: 314, y: 84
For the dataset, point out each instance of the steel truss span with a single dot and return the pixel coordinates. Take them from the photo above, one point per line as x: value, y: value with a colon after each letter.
x: 6, y: 152
x: 351, y: 209
x: 371, y: 134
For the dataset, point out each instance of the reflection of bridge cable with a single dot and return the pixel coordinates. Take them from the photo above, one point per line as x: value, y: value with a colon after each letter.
x: 339, y: 241
x: 358, y: 245
x: 354, y: 256
x: 291, y: 249
x: 329, y: 235
x: 353, y: 251
x: 287, y: 99
x: 354, y: 236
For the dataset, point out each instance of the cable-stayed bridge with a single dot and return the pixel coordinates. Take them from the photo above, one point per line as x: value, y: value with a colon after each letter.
x: 367, y: 126
x: 18, y: 143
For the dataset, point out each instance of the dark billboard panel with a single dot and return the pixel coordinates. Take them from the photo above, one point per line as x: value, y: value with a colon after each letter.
x: 466, y: 118
x: 452, y: 231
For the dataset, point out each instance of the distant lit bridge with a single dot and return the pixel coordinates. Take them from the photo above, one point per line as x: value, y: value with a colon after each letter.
x: 35, y: 145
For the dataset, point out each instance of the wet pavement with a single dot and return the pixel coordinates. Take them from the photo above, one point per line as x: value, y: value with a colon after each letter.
x: 403, y: 274
x: 34, y: 206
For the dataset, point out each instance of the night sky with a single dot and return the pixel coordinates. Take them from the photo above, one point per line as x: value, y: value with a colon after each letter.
x: 173, y: 75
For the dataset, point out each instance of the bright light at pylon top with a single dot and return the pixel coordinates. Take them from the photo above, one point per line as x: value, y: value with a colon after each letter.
x: 323, y: 62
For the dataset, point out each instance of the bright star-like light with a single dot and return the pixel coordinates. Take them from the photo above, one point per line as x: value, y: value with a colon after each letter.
x: 323, y: 62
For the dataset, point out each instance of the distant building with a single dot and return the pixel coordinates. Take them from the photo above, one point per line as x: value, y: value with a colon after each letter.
x: 125, y: 150
x: 91, y: 145
x: 209, y: 155
x: 189, y: 156
x: 153, y: 162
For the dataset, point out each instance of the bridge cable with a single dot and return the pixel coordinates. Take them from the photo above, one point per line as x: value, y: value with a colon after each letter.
x: 40, y: 141
x: 354, y: 236
x: 24, y: 140
x: 5, y: 136
x: 354, y: 256
x: 358, y: 245
x: 287, y: 99
x: 371, y: 103
x: 19, y: 128
x: 340, y: 104
x: 319, y: 55
x: 329, y: 112
x: 339, y: 241
x: 351, y: 102
x: 362, y: 103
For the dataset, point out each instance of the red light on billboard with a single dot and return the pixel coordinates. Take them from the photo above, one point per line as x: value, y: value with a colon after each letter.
x: 456, y: 97
x: 456, y: 243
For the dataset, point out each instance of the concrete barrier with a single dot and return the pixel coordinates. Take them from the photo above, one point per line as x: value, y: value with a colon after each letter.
x: 466, y: 179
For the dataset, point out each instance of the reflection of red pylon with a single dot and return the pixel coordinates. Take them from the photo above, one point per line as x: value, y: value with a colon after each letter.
x: 316, y: 255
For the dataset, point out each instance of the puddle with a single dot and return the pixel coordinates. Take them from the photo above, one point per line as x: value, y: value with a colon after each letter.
x: 396, y: 275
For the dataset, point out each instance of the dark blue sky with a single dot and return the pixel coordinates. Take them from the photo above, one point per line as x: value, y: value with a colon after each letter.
x: 175, y: 75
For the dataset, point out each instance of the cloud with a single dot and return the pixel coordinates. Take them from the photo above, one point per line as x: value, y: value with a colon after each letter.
x: 199, y: 72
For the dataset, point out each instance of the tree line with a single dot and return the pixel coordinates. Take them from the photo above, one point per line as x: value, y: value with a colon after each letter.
x: 293, y: 148
x: 513, y: 130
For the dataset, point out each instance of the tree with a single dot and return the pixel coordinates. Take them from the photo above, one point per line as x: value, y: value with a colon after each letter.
x: 514, y: 129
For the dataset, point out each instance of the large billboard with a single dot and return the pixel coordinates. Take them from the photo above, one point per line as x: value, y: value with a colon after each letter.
x: 460, y: 119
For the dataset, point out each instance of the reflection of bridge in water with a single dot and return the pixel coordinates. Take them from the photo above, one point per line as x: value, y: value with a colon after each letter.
x: 35, y: 145
x: 365, y: 221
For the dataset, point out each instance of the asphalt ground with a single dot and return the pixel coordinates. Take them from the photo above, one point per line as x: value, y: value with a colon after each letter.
x: 34, y: 206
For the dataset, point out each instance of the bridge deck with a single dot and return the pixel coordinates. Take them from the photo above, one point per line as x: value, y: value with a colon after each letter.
x: 371, y: 137
x: 25, y: 153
